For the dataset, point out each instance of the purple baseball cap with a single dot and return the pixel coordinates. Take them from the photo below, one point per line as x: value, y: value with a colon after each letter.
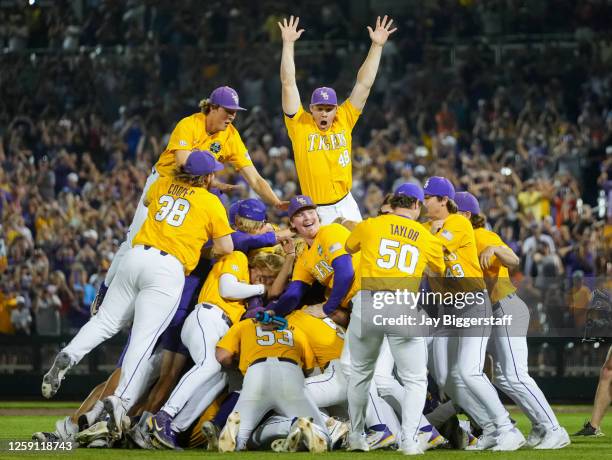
x: 233, y: 210
x: 411, y: 190
x: 201, y: 163
x: 439, y: 186
x: 466, y: 202
x: 253, y: 209
x: 324, y: 96
x: 299, y: 202
x: 226, y: 97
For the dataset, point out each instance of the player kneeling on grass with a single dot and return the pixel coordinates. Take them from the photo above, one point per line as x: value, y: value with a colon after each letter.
x: 182, y: 216
x: 272, y: 360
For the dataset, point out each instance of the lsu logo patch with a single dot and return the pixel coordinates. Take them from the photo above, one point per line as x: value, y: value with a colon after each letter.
x: 426, y: 184
x: 301, y: 200
x: 335, y: 247
x: 215, y: 147
x: 235, y: 267
x: 324, y: 95
x: 183, y: 143
x: 235, y: 98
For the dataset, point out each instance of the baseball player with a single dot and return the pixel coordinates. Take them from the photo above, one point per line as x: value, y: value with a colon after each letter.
x: 221, y: 303
x: 212, y: 130
x: 459, y: 356
x: 603, y: 398
x: 271, y: 362
x: 322, y: 139
x: 182, y: 216
x: 393, y: 246
x: 509, y: 344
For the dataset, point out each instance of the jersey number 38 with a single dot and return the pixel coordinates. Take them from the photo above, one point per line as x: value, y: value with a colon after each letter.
x: 172, y: 210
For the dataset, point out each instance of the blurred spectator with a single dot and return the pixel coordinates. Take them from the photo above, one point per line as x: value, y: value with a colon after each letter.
x: 579, y: 298
x: 21, y: 317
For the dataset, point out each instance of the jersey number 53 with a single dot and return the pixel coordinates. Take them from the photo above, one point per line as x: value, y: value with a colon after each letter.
x: 172, y: 210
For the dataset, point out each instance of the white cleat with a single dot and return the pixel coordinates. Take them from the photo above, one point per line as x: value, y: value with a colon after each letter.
x: 357, y: 442
x: 116, y: 410
x: 53, y: 379
x: 411, y: 448
x: 555, y: 439
x: 338, y: 430
x: 227, y: 439
x: 96, y: 431
x: 536, y: 435
x: 509, y: 441
x: 315, y: 440
x: 210, y: 432
x: 486, y: 441
x: 291, y: 443
x: 140, y: 434
x: 66, y: 429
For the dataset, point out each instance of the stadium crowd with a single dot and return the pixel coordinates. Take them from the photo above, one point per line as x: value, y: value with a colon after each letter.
x: 79, y: 131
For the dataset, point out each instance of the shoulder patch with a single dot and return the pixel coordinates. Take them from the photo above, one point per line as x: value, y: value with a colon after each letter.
x: 235, y: 267
x: 335, y: 247
x: 446, y: 234
x: 183, y: 143
x: 215, y: 147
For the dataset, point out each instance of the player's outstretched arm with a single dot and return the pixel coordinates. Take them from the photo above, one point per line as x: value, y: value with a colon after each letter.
x: 222, y: 246
x: 290, y: 93
x: 367, y: 72
x: 261, y: 187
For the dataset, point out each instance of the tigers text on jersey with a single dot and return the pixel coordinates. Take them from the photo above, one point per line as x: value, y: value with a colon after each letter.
x: 325, y: 337
x: 460, y: 256
x: 496, y: 276
x: 181, y: 219
x: 253, y: 341
x: 394, y: 252
x: 190, y: 134
x: 323, y: 158
x: 315, y: 263
x: 235, y: 264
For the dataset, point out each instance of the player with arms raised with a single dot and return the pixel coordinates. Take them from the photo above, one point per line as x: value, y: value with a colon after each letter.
x: 322, y: 139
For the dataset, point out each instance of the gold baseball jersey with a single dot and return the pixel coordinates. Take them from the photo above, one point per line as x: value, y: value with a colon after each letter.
x: 235, y: 264
x: 252, y: 341
x: 190, y: 134
x: 323, y: 158
x: 315, y: 263
x: 496, y: 276
x: 325, y: 337
x: 181, y: 219
x: 460, y: 255
x: 394, y: 252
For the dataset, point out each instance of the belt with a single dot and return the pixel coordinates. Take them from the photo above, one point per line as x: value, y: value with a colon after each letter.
x: 285, y: 360
x: 330, y: 204
x: 225, y: 318
x: 147, y: 247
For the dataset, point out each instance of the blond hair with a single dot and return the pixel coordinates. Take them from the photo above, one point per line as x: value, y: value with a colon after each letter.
x: 194, y: 181
x: 267, y: 260
x: 206, y: 106
x: 247, y: 225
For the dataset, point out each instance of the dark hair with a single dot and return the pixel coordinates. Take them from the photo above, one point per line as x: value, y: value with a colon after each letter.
x: 478, y: 220
x: 451, y: 206
x: 402, y: 201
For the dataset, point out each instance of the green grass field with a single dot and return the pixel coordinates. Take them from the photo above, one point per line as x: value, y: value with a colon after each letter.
x: 20, y: 427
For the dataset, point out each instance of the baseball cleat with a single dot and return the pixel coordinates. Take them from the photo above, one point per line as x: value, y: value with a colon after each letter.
x: 291, y: 443
x: 509, y: 441
x: 452, y: 430
x: 140, y: 434
x: 338, y: 431
x: 535, y: 436
x: 379, y: 437
x: 53, y: 379
x: 484, y: 442
x: 227, y: 439
x: 94, y: 432
x: 101, y: 443
x: 554, y: 439
x: 315, y: 440
x: 116, y: 411
x: 45, y: 436
x: 66, y: 429
x: 163, y: 435
x: 358, y: 442
x: 429, y: 437
x: 210, y: 432
x: 411, y: 448
x: 589, y: 430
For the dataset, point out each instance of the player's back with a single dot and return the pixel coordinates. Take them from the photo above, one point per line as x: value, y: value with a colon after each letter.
x: 180, y: 219
x: 325, y: 337
x: 496, y: 276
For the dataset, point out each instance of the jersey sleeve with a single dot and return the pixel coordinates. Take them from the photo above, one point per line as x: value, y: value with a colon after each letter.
x: 231, y: 340
x: 183, y: 135
x: 348, y: 114
x: 434, y: 254
x: 454, y: 234
x: 301, y: 272
x: 218, y: 222
x: 234, y: 264
x: 238, y: 153
x: 485, y: 239
x: 354, y: 240
x: 333, y: 240
x: 308, y: 355
x: 292, y: 122
x: 152, y: 191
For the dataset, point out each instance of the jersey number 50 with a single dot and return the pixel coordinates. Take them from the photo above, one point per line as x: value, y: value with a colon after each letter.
x: 173, y: 210
x: 389, y: 256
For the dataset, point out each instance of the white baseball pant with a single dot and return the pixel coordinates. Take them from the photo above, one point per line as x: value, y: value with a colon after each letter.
x: 276, y: 385
x: 203, y: 328
x: 146, y: 292
x: 140, y: 215
x: 509, y: 348
x: 346, y: 208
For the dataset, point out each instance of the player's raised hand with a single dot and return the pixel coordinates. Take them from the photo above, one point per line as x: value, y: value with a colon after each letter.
x: 289, y: 29
x: 381, y: 32
x: 486, y: 257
